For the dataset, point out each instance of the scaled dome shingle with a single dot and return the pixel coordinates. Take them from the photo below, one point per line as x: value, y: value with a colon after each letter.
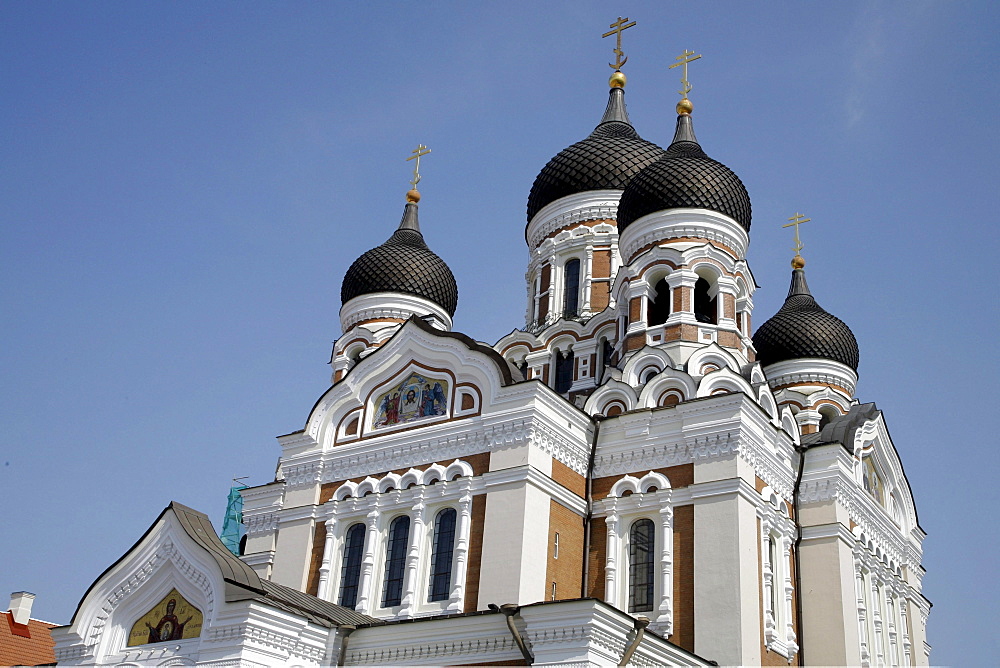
x: 802, y: 328
x: 606, y: 160
x: 405, y: 264
x: 685, y: 178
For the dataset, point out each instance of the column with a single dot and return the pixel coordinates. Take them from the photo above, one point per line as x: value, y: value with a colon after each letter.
x: 419, y: 520
x: 892, y: 627
x: 463, y: 530
x: 323, y: 591
x: 588, y: 275
x: 904, y: 625
x: 859, y: 579
x: 368, y: 564
x: 770, y: 614
x: 876, y: 613
x: 786, y: 570
x: 665, y: 619
x: 611, y: 565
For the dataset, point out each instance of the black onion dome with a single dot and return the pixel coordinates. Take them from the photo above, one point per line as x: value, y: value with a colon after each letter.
x: 801, y: 328
x: 606, y: 160
x: 404, y: 263
x: 685, y: 178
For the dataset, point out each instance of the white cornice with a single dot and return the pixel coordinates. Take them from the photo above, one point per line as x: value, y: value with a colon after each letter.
x: 810, y: 370
x: 662, y: 226
x: 452, y: 441
x: 391, y: 305
x: 576, y: 208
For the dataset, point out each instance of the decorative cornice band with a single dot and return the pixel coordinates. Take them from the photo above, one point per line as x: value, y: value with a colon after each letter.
x: 662, y: 226
x: 570, y: 210
x: 346, y: 462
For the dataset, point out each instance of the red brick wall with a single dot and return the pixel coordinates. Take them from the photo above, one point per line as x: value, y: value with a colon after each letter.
x: 566, y: 570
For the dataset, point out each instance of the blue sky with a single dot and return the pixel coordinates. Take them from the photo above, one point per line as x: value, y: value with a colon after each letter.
x: 183, y: 186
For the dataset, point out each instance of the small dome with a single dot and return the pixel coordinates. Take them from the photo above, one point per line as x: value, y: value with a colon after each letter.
x: 801, y: 328
x: 606, y: 160
x: 405, y: 264
x: 685, y: 178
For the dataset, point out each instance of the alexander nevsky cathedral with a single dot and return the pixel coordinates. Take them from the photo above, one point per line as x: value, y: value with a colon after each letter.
x: 638, y: 475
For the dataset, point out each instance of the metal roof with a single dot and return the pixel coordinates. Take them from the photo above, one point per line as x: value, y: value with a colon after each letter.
x: 606, y: 160
x: 405, y: 264
x: 685, y: 177
x: 802, y: 328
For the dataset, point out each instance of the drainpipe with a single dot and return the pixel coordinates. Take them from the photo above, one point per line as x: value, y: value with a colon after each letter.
x: 590, y: 505
x: 795, y: 555
x: 348, y: 630
x: 509, y: 611
x: 640, y: 630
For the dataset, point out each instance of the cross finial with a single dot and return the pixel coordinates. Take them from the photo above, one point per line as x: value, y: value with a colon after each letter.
x: 617, y: 28
x: 421, y: 150
x: 797, y: 220
x: 684, y: 59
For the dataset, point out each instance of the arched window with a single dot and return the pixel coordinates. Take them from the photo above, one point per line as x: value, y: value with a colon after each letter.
x: 705, y: 309
x: 564, y: 371
x: 350, y: 571
x: 640, y: 566
x: 826, y: 413
x: 395, y: 561
x: 658, y: 308
x: 605, y: 352
x: 571, y: 292
x: 441, y: 558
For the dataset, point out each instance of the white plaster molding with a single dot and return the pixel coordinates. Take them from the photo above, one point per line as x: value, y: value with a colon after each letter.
x: 662, y: 226
x: 355, y: 459
x: 572, y: 209
x: 392, y: 305
x: 812, y: 370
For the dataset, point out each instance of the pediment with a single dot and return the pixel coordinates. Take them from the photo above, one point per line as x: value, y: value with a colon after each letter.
x: 421, y: 375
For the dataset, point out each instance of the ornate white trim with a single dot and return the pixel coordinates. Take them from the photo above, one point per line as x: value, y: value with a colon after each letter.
x: 391, y: 305
x: 576, y: 208
x: 812, y: 370
x: 351, y: 461
x: 662, y: 226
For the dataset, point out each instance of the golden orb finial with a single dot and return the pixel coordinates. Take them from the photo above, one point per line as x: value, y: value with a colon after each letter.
x: 798, y: 262
x: 684, y: 107
x: 617, y: 80
x: 413, y: 196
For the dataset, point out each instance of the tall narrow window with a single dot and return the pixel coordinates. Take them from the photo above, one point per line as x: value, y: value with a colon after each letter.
x: 640, y: 566
x: 350, y: 572
x: 395, y: 561
x: 658, y: 308
x: 704, y: 306
x: 772, y: 555
x: 564, y: 371
x: 571, y: 300
x: 444, y: 547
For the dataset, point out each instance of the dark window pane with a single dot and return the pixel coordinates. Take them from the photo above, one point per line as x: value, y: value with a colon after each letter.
x: 571, y: 302
x: 704, y: 306
x: 350, y: 572
x: 640, y: 567
x: 444, y: 547
x: 658, y: 309
x: 395, y: 561
x: 564, y: 372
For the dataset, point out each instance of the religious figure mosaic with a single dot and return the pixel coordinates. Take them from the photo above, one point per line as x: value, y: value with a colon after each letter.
x: 872, y: 481
x: 173, y: 618
x: 416, y: 398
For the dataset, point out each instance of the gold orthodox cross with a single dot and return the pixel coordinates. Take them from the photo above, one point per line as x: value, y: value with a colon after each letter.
x: 797, y: 220
x: 684, y: 59
x: 421, y: 150
x: 618, y: 26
